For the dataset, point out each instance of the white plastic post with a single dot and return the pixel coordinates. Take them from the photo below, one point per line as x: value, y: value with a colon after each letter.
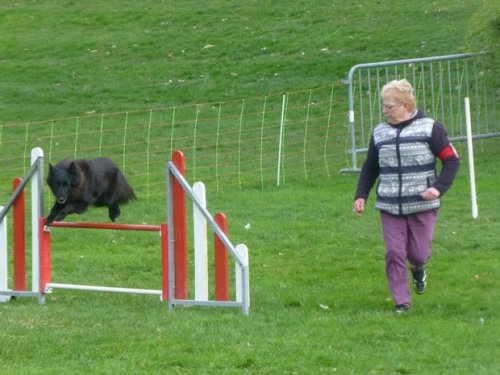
x: 280, y: 145
x: 200, y: 246
x: 470, y: 151
x: 3, y: 258
x: 36, y: 213
x: 242, y: 285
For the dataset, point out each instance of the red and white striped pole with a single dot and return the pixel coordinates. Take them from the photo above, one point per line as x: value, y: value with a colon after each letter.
x: 220, y: 255
x: 180, y: 229
x: 19, y: 240
x: 45, y: 261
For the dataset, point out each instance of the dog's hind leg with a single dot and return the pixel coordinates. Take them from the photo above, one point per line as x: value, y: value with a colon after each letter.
x: 114, y: 211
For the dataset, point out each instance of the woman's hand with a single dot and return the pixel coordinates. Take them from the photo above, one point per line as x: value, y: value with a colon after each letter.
x: 430, y: 194
x: 359, y: 206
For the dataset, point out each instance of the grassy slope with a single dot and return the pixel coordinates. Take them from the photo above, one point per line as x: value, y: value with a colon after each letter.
x: 319, y: 299
x: 66, y: 58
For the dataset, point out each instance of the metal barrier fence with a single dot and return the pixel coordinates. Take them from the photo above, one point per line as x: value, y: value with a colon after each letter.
x: 441, y: 84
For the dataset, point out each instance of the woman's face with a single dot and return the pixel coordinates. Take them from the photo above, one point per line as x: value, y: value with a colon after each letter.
x: 395, y: 111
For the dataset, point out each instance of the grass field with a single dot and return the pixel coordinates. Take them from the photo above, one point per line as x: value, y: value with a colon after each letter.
x: 66, y: 58
x: 319, y: 300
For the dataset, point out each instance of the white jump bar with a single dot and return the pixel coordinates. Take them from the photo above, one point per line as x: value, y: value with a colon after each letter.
x: 153, y: 292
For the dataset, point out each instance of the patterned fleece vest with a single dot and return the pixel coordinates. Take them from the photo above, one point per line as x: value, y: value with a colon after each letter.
x: 407, y: 167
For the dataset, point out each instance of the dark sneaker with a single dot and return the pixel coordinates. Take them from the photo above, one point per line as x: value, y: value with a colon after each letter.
x: 401, y: 309
x: 419, y: 280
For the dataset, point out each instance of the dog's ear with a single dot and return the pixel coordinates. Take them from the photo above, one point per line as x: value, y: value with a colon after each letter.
x: 73, y: 169
x: 51, y: 173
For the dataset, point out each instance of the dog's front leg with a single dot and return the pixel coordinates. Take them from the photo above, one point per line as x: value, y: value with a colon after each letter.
x: 55, y: 213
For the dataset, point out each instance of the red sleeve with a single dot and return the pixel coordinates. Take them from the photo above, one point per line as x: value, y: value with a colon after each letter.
x: 447, y: 152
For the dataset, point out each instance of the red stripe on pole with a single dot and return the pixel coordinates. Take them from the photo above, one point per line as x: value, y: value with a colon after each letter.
x: 180, y: 229
x: 19, y: 241
x: 45, y: 267
x: 220, y: 254
x: 164, y: 262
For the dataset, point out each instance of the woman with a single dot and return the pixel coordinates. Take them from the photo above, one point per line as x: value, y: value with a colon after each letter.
x: 402, y: 154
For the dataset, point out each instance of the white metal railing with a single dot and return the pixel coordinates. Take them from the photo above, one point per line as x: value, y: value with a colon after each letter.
x: 441, y: 83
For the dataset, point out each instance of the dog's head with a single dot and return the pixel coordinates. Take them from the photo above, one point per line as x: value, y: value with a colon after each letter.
x: 63, y: 180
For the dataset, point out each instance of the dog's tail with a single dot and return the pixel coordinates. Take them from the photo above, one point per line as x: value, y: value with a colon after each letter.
x: 124, y: 190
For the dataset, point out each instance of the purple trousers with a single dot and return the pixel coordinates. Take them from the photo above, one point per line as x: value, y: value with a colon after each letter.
x: 407, y: 241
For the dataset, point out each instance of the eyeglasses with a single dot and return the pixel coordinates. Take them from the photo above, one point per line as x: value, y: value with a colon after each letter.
x: 389, y: 106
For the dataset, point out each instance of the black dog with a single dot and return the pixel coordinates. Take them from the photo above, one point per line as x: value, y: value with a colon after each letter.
x: 76, y: 184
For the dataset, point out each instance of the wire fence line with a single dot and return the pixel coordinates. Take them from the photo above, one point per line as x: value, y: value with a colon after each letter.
x: 260, y: 141
x: 250, y: 142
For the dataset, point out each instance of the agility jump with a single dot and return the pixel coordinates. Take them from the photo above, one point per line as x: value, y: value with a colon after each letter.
x: 174, y: 285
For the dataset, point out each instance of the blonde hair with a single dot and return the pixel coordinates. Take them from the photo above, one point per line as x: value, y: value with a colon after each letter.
x: 400, y: 90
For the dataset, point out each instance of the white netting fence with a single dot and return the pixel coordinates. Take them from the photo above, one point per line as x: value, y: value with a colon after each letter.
x: 251, y: 142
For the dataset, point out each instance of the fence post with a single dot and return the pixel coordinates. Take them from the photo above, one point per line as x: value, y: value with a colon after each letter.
x: 280, y: 144
x: 470, y: 150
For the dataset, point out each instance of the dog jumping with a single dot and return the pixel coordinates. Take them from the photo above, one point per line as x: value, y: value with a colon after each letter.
x: 78, y: 184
